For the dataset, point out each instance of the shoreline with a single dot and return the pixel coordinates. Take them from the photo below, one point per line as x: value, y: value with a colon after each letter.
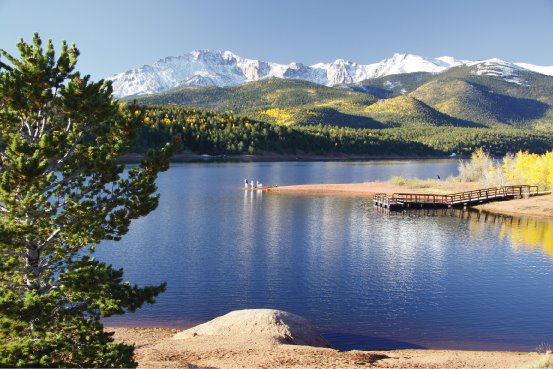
x: 188, y: 156
x: 537, y: 206
x: 155, y: 347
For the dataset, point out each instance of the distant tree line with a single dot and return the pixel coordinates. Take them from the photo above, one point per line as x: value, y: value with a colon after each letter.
x: 224, y: 133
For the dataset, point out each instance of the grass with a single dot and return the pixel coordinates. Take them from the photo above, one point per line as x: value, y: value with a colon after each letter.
x: 445, y: 186
x: 412, y: 182
x: 546, y: 361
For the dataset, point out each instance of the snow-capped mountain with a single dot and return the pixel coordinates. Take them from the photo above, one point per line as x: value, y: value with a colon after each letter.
x: 498, y: 68
x: 548, y: 71
x: 224, y: 68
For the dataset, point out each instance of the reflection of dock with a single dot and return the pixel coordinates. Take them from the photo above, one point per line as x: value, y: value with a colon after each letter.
x: 402, y: 201
x: 468, y: 214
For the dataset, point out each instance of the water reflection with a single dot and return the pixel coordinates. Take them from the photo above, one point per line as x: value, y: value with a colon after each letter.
x: 414, y: 279
x: 523, y: 233
x: 529, y: 233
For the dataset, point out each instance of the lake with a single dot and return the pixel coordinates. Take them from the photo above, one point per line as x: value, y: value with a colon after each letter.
x: 366, y: 278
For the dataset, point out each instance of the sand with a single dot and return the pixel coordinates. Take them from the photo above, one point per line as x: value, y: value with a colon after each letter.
x: 267, y: 338
x: 249, y: 328
x: 370, y: 188
x: 539, y: 206
x: 155, y: 347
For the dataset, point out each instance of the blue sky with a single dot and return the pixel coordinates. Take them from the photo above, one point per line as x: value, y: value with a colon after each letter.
x: 117, y: 35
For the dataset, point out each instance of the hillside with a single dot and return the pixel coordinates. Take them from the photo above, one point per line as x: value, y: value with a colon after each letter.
x: 477, y: 103
x: 224, y: 133
x: 275, y: 100
x: 406, y: 110
x: 390, y: 86
x: 488, y: 94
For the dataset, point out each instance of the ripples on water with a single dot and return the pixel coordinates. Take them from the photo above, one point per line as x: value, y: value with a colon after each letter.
x: 367, y: 279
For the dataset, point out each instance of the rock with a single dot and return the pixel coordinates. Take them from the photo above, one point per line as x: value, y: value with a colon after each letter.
x: 258, y: 326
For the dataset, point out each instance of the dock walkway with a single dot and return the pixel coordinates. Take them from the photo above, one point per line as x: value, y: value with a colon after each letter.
x: 402, y: 201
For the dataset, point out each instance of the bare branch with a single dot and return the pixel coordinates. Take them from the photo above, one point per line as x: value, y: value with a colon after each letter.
x: 50, y: 238
x: 6, y: 156
x: 25, y: 124
x: 70, y: 151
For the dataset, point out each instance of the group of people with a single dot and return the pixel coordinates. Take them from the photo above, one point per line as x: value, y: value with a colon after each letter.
x: 252, y: 184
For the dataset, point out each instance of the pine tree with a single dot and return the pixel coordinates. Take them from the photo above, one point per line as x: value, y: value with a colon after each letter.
x: 61, y: 193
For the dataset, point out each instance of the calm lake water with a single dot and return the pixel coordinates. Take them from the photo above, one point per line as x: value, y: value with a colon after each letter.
x: 366, y: 279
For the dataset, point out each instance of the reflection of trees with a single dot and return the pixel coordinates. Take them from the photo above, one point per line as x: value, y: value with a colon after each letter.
x: 523, y: 232
x: 529, y: 233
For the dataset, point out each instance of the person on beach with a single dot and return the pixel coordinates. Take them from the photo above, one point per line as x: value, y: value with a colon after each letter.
x: 246, y: 183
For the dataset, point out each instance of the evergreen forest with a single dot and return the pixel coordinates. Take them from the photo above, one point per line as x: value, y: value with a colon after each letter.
x: 218, y: 133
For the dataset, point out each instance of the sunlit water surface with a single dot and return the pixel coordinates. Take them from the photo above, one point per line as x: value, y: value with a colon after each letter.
x: 366, y: 279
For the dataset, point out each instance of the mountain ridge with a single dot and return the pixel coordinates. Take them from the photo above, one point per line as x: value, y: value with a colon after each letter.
x: 224, y: 68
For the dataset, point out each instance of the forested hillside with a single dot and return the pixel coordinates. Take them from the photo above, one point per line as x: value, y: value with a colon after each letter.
x: 520, y: 99
x: 225, y: 133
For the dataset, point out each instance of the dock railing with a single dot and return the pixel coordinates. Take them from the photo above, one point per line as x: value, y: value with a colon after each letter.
x: 483, y: 194
x: 422, y: 198
x: 520, y: 191
x: 383, y: 199
x: 466, y: 198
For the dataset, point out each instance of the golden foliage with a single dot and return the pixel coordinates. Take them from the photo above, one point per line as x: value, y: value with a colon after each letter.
x: 533, y: 234
x: 398, y: 105
x: 533, y: 169
x: 337, y: 103
x: 281, y: 116
x: 523, y: 168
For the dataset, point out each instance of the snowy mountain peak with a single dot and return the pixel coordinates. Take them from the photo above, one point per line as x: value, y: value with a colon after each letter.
x: 491, y: 61
x: 498, y: 68
x: 407, y: 63
x: 402, y: 56
x: 343, y: 62
x: 224, y: 68
x: 548, y: 71
x: 449, y: 61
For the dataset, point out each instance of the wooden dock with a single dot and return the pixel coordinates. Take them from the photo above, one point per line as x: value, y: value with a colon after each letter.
x: 403, y: 201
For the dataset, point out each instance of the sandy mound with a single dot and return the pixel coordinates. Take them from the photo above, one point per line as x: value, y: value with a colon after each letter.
x: 255, y: 327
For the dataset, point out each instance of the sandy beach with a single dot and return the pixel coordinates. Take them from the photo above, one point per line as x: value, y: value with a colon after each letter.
x: 370, y: 188
x: 155, y: 347
x: 540, y: 206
